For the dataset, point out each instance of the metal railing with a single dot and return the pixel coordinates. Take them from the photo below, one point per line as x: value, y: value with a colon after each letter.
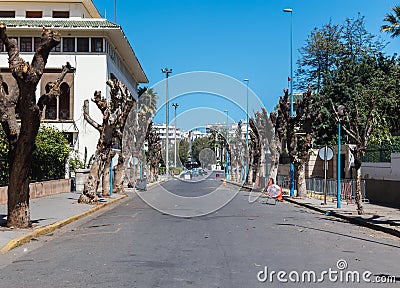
x: 348, y: 187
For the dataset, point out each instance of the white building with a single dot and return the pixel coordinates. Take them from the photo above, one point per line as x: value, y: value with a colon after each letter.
x: 161, y: 130
x: 93, y: 45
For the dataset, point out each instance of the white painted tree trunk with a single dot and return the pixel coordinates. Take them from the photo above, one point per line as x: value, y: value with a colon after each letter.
x: 301, y: 181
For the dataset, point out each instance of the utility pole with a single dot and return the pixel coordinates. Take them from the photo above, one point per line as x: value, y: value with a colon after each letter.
x: 175, y: 105
x: 167, y: 72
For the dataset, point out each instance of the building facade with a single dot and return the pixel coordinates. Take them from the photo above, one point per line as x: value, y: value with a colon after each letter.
x: 95, y: 46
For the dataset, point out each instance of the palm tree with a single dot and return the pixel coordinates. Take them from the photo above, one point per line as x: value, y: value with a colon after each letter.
x: 394, y: 22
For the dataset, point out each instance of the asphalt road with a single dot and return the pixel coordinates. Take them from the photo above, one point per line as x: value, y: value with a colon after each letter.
x: 135, y: 245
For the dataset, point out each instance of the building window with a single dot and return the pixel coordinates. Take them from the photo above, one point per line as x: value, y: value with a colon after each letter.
x: 57, y: 48
x: 82, y: 44
x: 60, y: 14
x: 68, y: 44
x: 7, y: 14
x: 34, y: 14
x: 97, y: 45
x: 63, y: 113
x: 25, y: 44
x: 58, y: 108
x: 51, y: 109
x: 36, y: 43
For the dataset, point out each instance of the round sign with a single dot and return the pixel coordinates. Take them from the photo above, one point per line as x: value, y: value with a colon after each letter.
x: 274, y: 190
x: 133, y: 160
x: 329, y: 153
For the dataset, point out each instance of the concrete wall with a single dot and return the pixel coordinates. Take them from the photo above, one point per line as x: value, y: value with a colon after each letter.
x: 383, y: 192
x: 383, y: 171
x: 41, y: 189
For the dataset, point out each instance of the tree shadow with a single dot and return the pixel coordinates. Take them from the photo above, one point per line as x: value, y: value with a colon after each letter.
x: 3, y: 220
x: 37, y: 221
x: 338, y: 233
x: 375, y: 220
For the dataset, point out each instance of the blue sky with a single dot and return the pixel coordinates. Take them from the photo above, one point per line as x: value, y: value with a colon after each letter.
x: 241, y: 39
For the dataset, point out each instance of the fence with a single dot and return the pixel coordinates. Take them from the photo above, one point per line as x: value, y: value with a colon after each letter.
x: 348, y: 187
x: 41, y: 171
x: 380, y: 153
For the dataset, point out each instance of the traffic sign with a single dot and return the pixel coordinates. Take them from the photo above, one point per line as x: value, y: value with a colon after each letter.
x: 329, y: 153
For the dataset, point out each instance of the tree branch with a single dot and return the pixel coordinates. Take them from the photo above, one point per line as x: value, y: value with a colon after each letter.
x: 53, y: 88
x: 49, y: 40
x: 87, y: 116
x: 8, y: 102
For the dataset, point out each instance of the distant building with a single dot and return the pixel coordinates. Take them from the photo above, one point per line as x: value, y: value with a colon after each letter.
x: 161, y: 130
x: 93, y: 45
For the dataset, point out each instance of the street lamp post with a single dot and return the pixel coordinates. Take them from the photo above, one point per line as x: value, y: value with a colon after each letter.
x: 247, y: 130
x: 290, y: 10
x: 226, y: 148
x: 340, y: 110
x: 175, y: 105
x: 167, y: 72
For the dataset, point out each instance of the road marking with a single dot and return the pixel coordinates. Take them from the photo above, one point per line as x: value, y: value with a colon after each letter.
x: 99, y: 233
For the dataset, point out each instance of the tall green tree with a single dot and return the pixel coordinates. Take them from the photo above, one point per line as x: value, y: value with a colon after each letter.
x: 318, y: 57
x: 198, y: 145
x: 183, y: 150
x: 364, y: 83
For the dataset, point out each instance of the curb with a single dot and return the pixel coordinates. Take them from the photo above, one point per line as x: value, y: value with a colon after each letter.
x: 49, y: 228
x: 352, y: 220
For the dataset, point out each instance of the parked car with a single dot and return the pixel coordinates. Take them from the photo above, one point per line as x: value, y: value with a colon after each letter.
x: 202, y: 171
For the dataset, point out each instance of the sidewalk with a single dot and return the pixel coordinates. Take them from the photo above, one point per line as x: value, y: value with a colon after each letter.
x: 377, y: 217
x: 48, y: 214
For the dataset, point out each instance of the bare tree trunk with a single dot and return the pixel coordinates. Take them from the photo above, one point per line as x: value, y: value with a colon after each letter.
x: 119, y: 176
x: 18, y: 188
x: 274, y: 165
x: 89, y: 194
x: 105, y: 188
x: 22, y: 138
x: 301, y: 180
x: 360, y: 208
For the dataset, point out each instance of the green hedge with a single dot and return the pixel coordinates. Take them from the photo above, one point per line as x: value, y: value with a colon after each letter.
x: 52, y: 150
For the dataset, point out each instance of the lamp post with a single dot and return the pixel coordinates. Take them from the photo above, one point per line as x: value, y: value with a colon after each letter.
x: 340, y: 110
x: 226, y: 148
x: 167, y: 72
x: 175, y: 105
x: 247, y: 130
x: 290, y: 10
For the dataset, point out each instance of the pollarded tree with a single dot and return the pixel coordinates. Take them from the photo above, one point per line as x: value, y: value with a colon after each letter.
x: 254, y: 153
x: 265, y: 129
x: 154, y: 156
x: 135, y: 132
x: 21, y: 137
x: 115, y: 111
x: 237, y: 146
x: 279, y: 125
x: 300, y: 146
